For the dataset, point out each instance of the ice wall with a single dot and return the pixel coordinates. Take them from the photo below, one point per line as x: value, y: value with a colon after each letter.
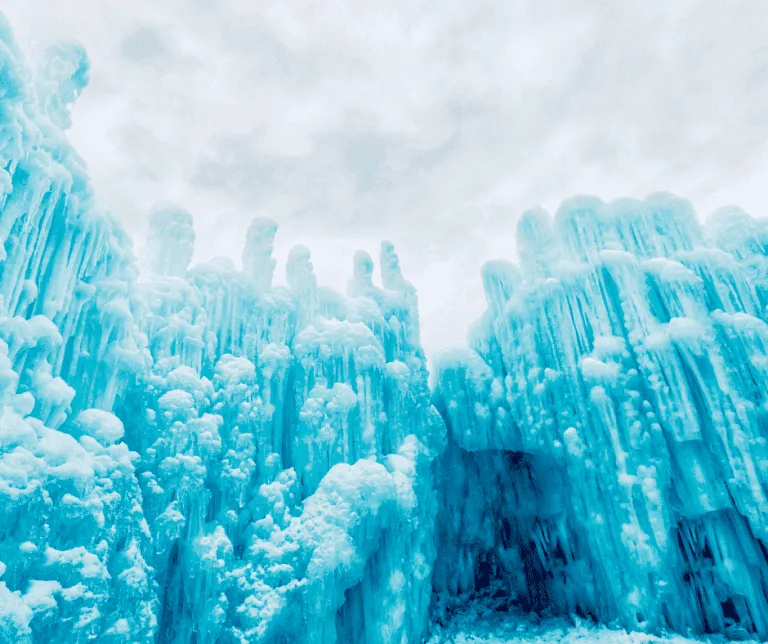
x: 607, y: 427
x: 194, y: 455
x: 285, y: 435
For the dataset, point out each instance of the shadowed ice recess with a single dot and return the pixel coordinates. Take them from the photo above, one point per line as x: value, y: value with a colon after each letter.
x: 197, y: 456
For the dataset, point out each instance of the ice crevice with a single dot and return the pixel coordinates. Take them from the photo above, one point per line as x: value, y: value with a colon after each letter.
x: 194, y: 454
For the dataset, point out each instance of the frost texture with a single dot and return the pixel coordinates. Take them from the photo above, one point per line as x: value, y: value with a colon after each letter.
x: 607, y: 428
x: 193, y: 455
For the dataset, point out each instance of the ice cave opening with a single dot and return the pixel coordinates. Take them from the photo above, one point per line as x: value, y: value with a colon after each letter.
x: 506, y: 536
x: 508, y: 540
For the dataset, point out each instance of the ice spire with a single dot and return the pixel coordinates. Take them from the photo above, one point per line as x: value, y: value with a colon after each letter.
x: 258, y: 263
x: 580, y: 224
x: 500, y: 279
x: 391, y: 275
x: 61, y: 80
x: 535, y: 241
x: 735, y: 232
x: 302, y: 282
x: 392, y: 279
x: 170, y: 240
x: 361, y: 283
x: 673, y: 221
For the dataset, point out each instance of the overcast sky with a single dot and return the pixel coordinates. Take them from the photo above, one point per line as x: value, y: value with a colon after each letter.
x: 432, y: 124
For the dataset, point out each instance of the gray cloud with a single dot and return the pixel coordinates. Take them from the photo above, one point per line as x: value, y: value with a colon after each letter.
x: 145, y: 45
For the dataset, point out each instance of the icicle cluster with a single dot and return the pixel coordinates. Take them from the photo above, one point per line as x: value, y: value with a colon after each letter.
x: 194, y: 455
x: 607, y: 429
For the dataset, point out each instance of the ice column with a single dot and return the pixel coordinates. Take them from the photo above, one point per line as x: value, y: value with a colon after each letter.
x: 257, y: 253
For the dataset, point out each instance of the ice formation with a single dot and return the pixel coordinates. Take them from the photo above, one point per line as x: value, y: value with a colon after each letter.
x: 607, y: 428
x: 194, y: 455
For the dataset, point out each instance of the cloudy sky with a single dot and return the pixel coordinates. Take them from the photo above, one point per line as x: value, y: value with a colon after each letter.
x: 432, y: 124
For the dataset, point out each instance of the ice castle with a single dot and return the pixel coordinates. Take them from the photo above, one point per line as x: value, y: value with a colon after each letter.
x: 198, y: 456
